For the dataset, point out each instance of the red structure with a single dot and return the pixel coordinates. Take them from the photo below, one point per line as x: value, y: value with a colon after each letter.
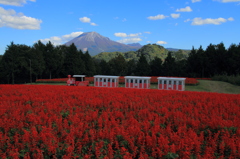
x: 77, y: 80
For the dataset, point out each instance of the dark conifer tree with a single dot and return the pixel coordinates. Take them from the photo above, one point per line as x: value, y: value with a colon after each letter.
x: 142, y: 67
x: 169, y: 65
x: 73, y: 63
x: 90, y: 69
x: 118, y: 65
x: 131, y: 68
x: 156, y: 67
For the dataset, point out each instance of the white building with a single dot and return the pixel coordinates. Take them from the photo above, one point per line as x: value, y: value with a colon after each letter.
x: 137, y: 82
x: 170, y: 83
x: 106, y: 81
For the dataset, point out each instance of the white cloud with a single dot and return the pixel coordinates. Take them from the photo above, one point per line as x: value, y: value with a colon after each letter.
x: 193, y: 1
x: 133, y: 38
x: 9, y: 18
x: 175, y: 16
x: 87, y: 20
x: 93, y: 24
x: 230, y: 19
x: 218, y: 21
x: 132, y: 35
x: 187, y: 20
x: 186, y: 9
x: 15, y: 2
x: 161, y: 42
x: 71, y: 36
x: 227, y: 1
x: 147, y: 32
x: 120, y: 34
x: 157, y: 17
x: 130, y: 40
x: 58, y: 40
x: 54, y: 40
x: 123, y: 35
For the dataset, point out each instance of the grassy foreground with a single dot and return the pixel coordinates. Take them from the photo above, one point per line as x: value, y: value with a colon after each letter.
x: 203, y: 86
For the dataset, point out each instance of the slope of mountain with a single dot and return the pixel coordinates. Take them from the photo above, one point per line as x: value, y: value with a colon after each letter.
x: 96, y: 43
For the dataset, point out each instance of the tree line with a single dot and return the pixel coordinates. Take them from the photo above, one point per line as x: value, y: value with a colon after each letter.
x: 24, y: 64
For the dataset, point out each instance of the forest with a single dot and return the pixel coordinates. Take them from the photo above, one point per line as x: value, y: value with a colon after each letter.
x: 23, y: 64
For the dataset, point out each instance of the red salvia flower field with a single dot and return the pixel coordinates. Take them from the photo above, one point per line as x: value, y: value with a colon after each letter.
x: 47, y: 121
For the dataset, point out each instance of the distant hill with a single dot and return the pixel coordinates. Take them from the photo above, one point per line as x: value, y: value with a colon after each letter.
x: 135, y: 44
x: 96, y: 43
x: 150, y: 51
x: 174, y: 49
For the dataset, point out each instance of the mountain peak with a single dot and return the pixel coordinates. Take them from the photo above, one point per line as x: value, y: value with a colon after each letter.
x: 96, y: 43
x: 90, y: 36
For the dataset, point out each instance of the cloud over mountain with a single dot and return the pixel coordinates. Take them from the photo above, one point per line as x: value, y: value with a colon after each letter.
x: 58, y: 40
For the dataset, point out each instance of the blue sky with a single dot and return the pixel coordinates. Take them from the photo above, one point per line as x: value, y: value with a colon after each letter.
x: 181, y: 24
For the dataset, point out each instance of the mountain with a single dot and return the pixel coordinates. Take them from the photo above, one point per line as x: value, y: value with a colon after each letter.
x: 96, y: 43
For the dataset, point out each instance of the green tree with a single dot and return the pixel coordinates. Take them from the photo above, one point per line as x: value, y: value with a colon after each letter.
x: 180, y: 55
x: 61, y: 52
x: 156, y: 67
x: 169, y: 65
x: 142, y: 67
x: 211, y: 63
x: 202, y: 60
x: 15, y: 62
x: 193, y: 63
x: 51, y: 59
x: 37, y: 59
x: 105, y: 68
x: 233, y: 58
x: 73, y: 63
x: 118, y: 65
x: 131, y: 68
x: 181, y: 68
x: 221, y: 56
x: 89, y: 64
